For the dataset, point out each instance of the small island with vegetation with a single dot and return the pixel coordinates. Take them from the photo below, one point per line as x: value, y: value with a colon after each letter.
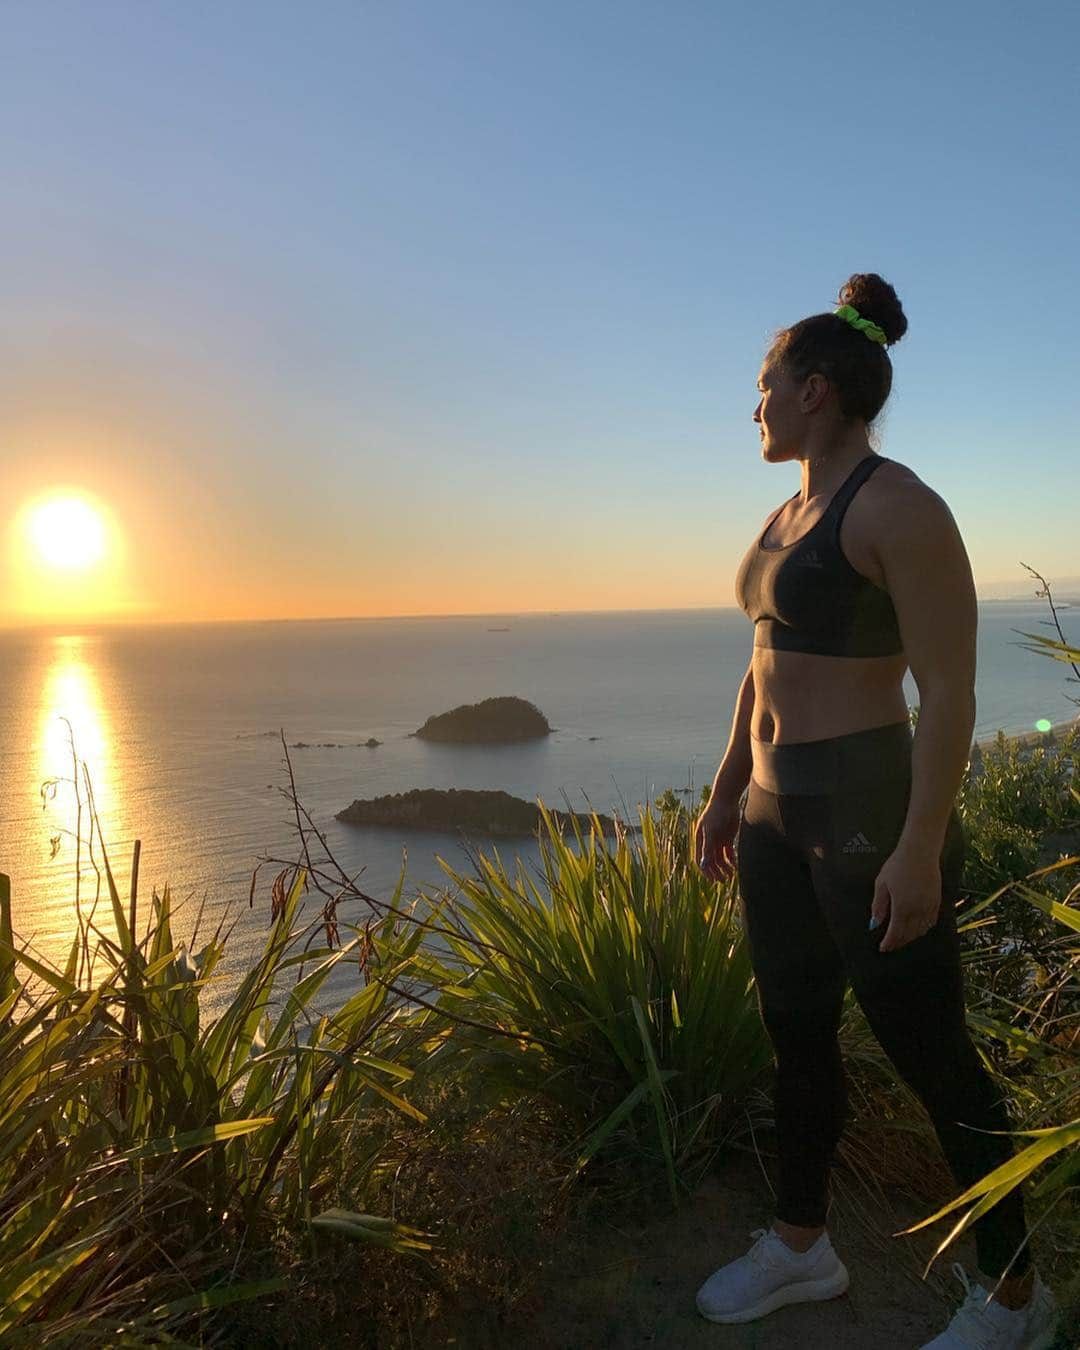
x: 446, y: 810
x: 493, y: 721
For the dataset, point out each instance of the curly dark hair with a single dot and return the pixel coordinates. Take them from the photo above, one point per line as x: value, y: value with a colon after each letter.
x: 858, y: 368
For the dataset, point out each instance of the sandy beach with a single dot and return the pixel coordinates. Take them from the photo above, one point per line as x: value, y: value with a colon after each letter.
x: 1030, y: 738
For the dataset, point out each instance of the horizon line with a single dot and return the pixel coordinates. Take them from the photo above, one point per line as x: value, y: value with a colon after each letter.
x: 91, y: 622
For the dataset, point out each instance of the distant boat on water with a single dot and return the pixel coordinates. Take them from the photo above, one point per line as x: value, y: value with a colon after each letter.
x: 498, y: 630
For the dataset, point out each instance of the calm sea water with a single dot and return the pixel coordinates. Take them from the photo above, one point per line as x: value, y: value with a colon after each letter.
x: 172, y: 723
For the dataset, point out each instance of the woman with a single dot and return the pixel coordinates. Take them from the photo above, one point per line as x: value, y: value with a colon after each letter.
x: 850, y: 849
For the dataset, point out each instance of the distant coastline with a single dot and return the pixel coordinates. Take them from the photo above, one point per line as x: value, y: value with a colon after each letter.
x: 1029, y: 738
x: 74, y: 623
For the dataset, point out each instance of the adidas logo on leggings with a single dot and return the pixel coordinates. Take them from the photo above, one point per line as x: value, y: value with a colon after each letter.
x: 859, y: 844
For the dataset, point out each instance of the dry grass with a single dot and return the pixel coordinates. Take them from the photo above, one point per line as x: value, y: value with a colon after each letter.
x: 489, y: 1183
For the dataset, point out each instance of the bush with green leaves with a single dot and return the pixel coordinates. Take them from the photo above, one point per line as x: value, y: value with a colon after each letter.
x: 1020, y: 795
x: 141, y: 1152
x: 616, y: 983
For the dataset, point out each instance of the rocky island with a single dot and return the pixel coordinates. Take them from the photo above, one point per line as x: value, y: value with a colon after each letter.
x: 494, y: 721
x: 451, y: 809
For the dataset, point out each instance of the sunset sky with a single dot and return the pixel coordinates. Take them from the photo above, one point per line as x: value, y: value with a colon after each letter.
x: 457, y: 306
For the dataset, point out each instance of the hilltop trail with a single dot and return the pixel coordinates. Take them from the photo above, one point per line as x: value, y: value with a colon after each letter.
x: 635, y: 1286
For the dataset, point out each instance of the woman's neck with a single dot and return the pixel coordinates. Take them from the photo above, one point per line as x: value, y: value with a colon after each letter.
x: 824, y: 468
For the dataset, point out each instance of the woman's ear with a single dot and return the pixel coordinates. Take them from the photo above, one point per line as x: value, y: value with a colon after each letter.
x: 815, y: 391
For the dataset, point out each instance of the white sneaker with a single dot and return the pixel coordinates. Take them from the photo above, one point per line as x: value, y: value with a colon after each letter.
x: 769, y: 1276
x: 984, y: 1324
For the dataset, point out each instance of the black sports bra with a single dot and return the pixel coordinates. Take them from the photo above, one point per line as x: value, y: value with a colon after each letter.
x: 806, y: 596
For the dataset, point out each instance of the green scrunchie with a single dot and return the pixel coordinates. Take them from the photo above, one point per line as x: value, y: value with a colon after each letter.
x: 867, y: 326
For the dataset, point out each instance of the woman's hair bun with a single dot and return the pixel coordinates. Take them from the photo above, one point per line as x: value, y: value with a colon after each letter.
x: 875, y: 299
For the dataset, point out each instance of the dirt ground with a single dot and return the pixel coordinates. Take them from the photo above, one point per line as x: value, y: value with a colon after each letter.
x: 634, y: 1285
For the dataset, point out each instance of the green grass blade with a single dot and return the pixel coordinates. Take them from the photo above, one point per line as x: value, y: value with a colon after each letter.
x: 210, y: 1134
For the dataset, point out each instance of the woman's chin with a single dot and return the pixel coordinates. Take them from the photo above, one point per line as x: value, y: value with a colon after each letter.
x: 774, y: 454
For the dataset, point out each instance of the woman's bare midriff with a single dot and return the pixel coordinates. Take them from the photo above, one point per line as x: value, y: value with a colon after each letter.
x: 802, y: 697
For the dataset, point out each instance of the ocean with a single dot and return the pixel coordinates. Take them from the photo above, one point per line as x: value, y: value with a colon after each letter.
x: 179, y: 728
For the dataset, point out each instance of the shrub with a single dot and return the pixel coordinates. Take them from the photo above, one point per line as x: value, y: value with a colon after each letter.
x: 141, y: 1152
x: 619, y: 987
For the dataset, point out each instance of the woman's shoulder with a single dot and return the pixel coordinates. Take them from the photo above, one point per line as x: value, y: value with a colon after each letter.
x: 894, y: 502
x: 894, y: 485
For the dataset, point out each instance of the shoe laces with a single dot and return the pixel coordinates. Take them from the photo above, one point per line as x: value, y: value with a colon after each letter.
x: 973, y: 1324
x: 764, y: 1250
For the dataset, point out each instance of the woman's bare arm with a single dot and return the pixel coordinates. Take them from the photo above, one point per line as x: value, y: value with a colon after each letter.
x: 734, y: 772
x: 928, y: 576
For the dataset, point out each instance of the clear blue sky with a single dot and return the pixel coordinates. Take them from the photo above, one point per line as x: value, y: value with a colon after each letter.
x: 441, y: 307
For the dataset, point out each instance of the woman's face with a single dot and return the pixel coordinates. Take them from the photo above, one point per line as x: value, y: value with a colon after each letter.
x: 778, y: 413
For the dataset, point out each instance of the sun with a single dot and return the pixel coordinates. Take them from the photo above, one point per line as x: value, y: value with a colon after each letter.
x: 68, y: 533
x: 66, y: 559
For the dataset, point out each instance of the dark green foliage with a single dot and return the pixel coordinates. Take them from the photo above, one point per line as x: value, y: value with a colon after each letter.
x: 477, y: 811
x: 1020, y: 813
x: 491, y: 720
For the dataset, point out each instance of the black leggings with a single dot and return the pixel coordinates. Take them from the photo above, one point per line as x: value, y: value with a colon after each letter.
x: 811, y: 842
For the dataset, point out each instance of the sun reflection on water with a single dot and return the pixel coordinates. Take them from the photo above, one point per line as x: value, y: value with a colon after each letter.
x: 71, y: 694
x: 71, y: 691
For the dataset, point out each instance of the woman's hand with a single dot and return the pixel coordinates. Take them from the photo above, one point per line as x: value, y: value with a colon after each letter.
x: 907, y: 893
x: 714, y: 838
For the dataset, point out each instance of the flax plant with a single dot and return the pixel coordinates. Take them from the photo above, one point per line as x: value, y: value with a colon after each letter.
x: 617, y: 983
x: 142, y: 1150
